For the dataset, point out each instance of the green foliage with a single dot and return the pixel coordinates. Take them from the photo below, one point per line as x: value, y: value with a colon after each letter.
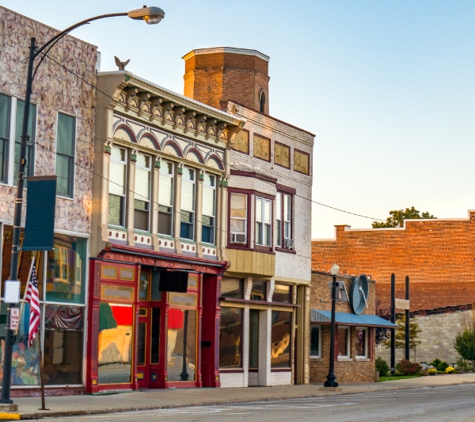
x: 442, y: 366
x: 396, y: 218
x: 436, y: 363
x: 400, y: 337
x: 464, y: 366
x: 465, y: 344
x: 381, y: 366
x: 406, y: 367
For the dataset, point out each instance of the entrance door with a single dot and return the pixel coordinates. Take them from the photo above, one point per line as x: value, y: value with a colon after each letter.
x: 149, y: 361
x: 253, y: 347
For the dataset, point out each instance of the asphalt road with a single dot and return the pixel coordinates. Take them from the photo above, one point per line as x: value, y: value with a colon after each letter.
x: 440, y: 404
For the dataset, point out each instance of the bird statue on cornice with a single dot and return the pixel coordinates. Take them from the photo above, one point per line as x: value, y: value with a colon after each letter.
x: 121, y: 65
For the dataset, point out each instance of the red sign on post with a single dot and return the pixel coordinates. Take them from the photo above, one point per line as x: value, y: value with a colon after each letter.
x: 14, y: 318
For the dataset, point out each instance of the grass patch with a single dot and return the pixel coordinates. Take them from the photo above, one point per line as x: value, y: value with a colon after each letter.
x: 397, y: 377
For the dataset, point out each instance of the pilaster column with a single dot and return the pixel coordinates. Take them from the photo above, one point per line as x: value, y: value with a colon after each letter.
x: 131, y: 197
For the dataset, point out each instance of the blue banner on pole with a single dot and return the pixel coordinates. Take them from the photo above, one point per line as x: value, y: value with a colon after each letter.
x: 41, y: 202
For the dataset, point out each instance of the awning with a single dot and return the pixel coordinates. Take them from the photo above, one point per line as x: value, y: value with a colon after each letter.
x: 344, y: 318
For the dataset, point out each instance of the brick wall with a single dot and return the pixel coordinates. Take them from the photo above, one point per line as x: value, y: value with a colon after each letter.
x: 437, y: 255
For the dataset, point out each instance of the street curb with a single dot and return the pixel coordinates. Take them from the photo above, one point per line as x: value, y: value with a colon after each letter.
x: 4, y: 416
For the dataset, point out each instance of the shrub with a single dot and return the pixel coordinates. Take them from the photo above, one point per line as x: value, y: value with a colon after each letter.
x: 449, y: 370
x: 464, y: 366
x: 442, y: 366
x: 406, y: 367
x: 432, y: 371
x: 381, y: 366
x: 436, y: 363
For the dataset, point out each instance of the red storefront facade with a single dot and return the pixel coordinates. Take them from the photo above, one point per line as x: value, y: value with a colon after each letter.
x: 144, y: 337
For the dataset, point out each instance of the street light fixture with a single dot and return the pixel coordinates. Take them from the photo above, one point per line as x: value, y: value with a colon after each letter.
x: 331, y: 378
x: 151, y: 15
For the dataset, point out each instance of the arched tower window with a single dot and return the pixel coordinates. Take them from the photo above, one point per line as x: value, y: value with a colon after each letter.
x: 262, y: 102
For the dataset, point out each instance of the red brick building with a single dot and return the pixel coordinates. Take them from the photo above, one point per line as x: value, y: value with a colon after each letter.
x: 438, y: 255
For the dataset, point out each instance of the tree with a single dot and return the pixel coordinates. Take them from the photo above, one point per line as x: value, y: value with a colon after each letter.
x: 396, y: 218
x: 465, y: 344
x: 400, y: 337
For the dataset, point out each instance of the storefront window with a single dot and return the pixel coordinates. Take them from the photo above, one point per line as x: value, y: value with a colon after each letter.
x: 65, y: 270
x: 281, y: 336
x: 361, y: 342
x: 232, y: 287
x: 282, y: 293
x: 181, y: 353
x: 315, y: 342
x: 230, y: 338
x: 115, y: 343
x: 63, y: 344
x: 343, y: 342
x: 25, y: 360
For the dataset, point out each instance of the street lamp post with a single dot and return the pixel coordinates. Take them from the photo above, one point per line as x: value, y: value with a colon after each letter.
x: 151, y: 15
x: 331, y: 378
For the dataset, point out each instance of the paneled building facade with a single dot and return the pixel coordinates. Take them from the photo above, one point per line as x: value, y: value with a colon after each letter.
x: 264, y: 295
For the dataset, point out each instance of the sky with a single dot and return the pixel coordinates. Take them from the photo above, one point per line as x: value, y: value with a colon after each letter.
x: 387, y: 87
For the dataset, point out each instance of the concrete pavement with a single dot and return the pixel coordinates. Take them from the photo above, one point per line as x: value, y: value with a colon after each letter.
x: 28, y: 408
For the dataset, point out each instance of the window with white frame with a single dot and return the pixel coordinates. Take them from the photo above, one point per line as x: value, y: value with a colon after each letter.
x: 11, y: 125
x: 65, y: 151
x: 278, y: 219
x: 238, y: 218
x: 315, y: 341
x: 117, y: 186
x: 263, y: 221
x: 208, y: 218
x: 142, y: 192
x: 187, y: 225
x: 165, y: 198
x: 287, y: 215
x: 344, y: 343
x: 361, y: 342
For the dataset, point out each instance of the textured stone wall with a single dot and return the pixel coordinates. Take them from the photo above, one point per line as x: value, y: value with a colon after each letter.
x: 55, y: 89
x: 438, y: 332
x: 437, y: 255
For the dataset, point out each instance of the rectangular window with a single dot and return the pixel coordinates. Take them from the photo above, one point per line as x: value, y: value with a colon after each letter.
x: 165, y: 199
x: 315, y: 341
x: 232, y: 287
x: 208, y: 218
x: 263, y: 221
x: 142, y: 192
x: 361, y: 342
x: 117, y: 186
x: 230, y: 337
x: 343, y: 342
x: 282, y: 293
x: 65, y: 149
x: 278, y: 219
x: 187, y: 224
x: 30, y: 144
x: 281, y: 339
x: 259, y: 290
x: 5, y: 106
x: 287, y: 218
x: 238, y: 218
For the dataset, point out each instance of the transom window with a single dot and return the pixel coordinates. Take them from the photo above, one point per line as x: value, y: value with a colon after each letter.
x: 142, y: 192
x: 117, y: 186
x: 65, y: 151
x: 263, y: 221
x: 165, y: 198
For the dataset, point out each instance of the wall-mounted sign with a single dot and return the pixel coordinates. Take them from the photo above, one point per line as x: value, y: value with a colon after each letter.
x: 402, y: 304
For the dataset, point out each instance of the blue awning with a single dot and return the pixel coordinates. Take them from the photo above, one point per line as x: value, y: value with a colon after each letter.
x: 344, y: 318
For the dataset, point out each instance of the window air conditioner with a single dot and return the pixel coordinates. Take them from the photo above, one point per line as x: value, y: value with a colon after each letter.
x: 238, y: 238
x: 288, y: 243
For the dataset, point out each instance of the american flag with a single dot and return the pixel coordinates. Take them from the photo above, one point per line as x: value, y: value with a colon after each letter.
x: 32, y: 296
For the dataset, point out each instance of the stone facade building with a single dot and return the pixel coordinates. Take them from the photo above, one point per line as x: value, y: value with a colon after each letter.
x: 264, y: 323
x: 61, y: 131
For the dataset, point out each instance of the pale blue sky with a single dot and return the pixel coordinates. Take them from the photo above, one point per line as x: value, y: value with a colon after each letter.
x: 386, y: 86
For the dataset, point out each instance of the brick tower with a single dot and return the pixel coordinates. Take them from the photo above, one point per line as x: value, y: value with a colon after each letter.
x: 216, y: 75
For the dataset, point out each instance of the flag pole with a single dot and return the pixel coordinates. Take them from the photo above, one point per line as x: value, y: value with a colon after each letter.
x: 26, y: 289
x: 42, y: 383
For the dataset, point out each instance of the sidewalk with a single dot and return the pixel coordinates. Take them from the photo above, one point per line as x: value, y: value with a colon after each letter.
x: 157, y: 399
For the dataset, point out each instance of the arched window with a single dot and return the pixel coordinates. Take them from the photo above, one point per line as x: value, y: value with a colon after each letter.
x: 262, y: 102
